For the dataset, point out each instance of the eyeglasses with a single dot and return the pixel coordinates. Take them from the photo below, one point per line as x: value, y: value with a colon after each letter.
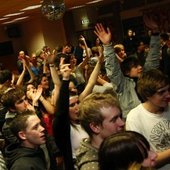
x: 163, y: 90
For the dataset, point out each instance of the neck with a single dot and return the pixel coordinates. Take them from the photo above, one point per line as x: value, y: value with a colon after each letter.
x: 152, y: 108
x: 28, y: 145
x: 96, y: 141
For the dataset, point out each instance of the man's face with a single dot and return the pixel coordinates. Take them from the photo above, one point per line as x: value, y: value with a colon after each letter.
x: 161, y: 98
x: 21, y: 105
x: 112, y: 122
x: 135, y: 71
x: 130, y: 33
x: 141, y: 47
x: 34, y: 133
x: 67, y: 49
x: 122, y: 53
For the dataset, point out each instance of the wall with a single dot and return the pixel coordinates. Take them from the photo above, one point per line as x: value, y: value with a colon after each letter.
x: 53, y: 32
x: 34, y: 35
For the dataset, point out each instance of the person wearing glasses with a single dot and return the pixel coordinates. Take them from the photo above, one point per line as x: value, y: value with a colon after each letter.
x: 152, y: 117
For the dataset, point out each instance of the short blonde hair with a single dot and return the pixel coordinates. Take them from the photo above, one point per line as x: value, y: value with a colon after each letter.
x: 90, y: 109
x: 118, y: 48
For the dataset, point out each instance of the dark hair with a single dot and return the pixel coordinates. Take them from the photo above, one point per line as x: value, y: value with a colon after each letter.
x: 19, y: 123
x: 128, y: 63
x: 10, y: 97
x: 66, y: 57
x: 5, y: 75
x: 150, y: 82
x: 164, y: 36
x: 46, y: 92
x: 120, y: 150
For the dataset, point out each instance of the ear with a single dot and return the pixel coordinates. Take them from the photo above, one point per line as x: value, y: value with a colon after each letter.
x: 22, y: 135
x: 12, y: 109
x: 95, y: 128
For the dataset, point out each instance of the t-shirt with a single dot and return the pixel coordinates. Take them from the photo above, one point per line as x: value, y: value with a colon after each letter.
x: 155, y: 127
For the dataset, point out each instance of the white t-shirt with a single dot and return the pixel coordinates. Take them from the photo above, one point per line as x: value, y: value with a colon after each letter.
x: 155, y: 127
x: 77, y: 134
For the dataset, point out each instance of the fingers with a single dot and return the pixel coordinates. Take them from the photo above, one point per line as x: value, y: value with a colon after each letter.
x: 98, y: 29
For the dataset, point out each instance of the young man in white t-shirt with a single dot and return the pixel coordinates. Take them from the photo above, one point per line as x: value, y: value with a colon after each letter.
x: 152, y: 117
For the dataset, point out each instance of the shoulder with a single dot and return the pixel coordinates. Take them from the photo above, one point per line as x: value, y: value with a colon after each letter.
x: 135, y: 112
x: 90, y: 165
x: 87, y: 156
x: 27, y: 163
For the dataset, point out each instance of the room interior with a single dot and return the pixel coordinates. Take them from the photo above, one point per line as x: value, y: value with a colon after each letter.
x: 34, y: 30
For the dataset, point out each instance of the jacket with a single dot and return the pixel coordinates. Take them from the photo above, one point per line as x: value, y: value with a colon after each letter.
x: 87, y: 156
x: 22, y: 158
x: 125, y: 85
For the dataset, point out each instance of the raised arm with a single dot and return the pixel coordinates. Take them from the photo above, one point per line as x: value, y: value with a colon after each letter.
x: 86, y: 59
x: 21, y: 77
x: 93, y: 77
x: 112, y: 65
x: 153, y: 57
x: 55, y: 79
x: 61, y: 124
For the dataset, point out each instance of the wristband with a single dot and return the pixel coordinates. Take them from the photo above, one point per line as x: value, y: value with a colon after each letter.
x: 51, y: 65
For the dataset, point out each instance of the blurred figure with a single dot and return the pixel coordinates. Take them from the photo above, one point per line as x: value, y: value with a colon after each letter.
x: 126, y: 151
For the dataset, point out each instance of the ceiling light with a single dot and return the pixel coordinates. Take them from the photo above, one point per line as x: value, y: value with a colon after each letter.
x: 9, y: 22
x: 52, y: 9
x: 14, y: 14
x: 75, y: 7
x: 21, y: 18
x: 1, y: 19
x: 92, y: 2
x: 31, y: 7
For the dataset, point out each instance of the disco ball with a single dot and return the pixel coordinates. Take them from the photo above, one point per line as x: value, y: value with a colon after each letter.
x: 53, y: 10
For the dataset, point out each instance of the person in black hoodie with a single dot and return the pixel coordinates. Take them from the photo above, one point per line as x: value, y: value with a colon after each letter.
x: 27, y: 154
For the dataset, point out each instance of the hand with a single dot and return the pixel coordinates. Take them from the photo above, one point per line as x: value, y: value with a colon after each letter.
x: 38, y: 93
x: 104, y: 36
x: 51, y: 57
x: 65, y: 70
x: 30, y: 107
x: 82, y: 38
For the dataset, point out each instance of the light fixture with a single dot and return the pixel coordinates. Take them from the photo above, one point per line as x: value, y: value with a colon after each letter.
x: 1, y: 19
x: 53, y: 9
x: 93, y: 2
x: 14, y: 14
x: 21, y: 18
x: 31, y: 7
x: 8, y: 22
x: 76, y: 7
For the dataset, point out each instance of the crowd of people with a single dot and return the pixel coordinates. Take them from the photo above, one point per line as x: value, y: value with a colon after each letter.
x: 81, y: 108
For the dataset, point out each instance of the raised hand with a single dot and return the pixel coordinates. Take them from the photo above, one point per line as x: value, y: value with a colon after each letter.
x: 38, y: 92
x: 104, y: 35
x: 65, y: 71
x: 51, y: 57
x: 82, y: 38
